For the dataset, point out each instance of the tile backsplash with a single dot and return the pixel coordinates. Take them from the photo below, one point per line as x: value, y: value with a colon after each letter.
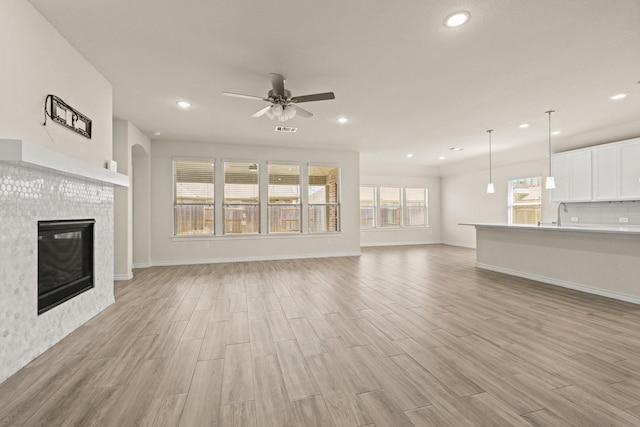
x: 602, y: 213
x: 28, y: 195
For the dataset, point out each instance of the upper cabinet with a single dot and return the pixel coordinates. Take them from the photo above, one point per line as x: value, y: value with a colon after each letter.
x: 604, y: 169
x: 629, y: 170
x: 572, y: 175
x: 604, y: 172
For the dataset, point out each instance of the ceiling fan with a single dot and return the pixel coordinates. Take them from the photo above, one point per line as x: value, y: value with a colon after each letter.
x: 283, y: 106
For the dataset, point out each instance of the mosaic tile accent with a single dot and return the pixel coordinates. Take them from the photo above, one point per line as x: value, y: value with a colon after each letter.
x: 29, y: 194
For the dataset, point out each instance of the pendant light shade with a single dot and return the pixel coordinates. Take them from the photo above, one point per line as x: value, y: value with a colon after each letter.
x: 490, y: 189
x: 550, y: 183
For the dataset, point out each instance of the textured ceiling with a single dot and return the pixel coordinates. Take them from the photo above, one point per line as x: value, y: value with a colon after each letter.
x: 408, y: 84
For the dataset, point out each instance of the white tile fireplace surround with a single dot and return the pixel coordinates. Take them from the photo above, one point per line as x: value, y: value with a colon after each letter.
x: 30, y: 193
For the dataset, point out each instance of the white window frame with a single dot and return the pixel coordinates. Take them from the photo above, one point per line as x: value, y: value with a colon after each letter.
x: 224, y: 204
x: 405, y: 222
x: 299, y: 204
x: 510, y: 203
x: 400, y: 205
x: 176, y: 204
x: 337, y: 204
x: 374, y: 206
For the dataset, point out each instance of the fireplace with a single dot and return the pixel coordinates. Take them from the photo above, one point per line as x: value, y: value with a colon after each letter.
x: 65, y: 261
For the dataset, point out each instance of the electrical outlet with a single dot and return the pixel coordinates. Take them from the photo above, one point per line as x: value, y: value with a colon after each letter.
x: 574, y: 219
x: 206, y: 245
x: 623, y: 219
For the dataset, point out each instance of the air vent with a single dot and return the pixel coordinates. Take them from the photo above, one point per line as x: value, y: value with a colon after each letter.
x: 286, y: 129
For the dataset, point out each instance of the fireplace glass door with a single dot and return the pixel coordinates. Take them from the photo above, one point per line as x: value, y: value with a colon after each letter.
x: 65, y: 261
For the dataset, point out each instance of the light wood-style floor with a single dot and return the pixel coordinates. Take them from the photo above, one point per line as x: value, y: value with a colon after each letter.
x: 402, y: 336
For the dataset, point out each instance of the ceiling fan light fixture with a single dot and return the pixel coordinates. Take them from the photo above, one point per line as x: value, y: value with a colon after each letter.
x: 290, y: 112
x: 269, y: 114
x: 277, y: 110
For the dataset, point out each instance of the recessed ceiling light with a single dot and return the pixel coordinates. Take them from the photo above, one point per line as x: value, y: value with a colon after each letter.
x: 342, y: 120
x: 442, y: 157
x: 456, y: 149
x: 157, y: 133
x: 524, y: 125
x: 183, y: 104
x: 456, y: 19
x: 556, y: 132
x: 409, y: 155
x: 618, y: 96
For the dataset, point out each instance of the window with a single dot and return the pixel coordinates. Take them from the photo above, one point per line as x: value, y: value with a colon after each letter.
x: 367, y: 207
x: 241, y: 198
x: 525, y: 202
x: 284, y: 198
x: 390, y: 207
x: 193, y: 190
x: 324, y: 205
x: 393, y: 207
x: 415, y: 204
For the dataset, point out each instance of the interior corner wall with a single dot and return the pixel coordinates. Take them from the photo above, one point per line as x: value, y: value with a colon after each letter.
x: 409, y: 235
x: 141, y: 201
x: 166, y: 250
x: 125, y: 137
x: 465, y: 200
x: 37, y: 61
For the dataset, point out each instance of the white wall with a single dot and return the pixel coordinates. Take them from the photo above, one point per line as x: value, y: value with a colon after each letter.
x: 126, y: 137
x: 37, y: 61
x: 465, y: 200
x: 167, y: 250
x: 406, y: 236
x: 141, y: 194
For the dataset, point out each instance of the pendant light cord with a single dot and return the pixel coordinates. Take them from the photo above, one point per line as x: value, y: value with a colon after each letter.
x: 489, y: 132
x: 549, y: 114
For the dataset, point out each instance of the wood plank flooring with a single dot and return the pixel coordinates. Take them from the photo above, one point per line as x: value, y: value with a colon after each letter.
x: 401, y: 336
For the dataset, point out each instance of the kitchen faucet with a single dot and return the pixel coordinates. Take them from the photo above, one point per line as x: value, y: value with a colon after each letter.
x: 559, y: 222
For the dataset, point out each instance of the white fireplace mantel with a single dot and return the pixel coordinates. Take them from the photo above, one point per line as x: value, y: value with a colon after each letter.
x: 16, y: 150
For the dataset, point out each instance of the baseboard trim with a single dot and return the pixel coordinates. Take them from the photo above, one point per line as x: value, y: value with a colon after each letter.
x: 120, y: 277
x: 561, y: 283
x: 374, y: 245
x: 250, y: 259
x: 459, y: 244
x: 142, y: 265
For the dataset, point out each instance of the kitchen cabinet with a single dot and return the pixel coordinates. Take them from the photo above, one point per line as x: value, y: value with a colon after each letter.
x: 607, y: 172
x: 629, y: 170
x: 572, y: 175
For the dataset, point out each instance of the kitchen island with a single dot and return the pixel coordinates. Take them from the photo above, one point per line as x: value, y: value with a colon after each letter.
x: 602, y: 260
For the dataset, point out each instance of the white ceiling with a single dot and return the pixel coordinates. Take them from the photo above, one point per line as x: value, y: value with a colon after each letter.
x: 408, y: 83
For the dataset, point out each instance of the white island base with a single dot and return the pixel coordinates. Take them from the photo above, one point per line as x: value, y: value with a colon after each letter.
x: 603, y: 261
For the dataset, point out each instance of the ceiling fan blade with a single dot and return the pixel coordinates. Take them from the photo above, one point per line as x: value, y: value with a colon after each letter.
x: 314, y: 97
x: 239, y: 95
x: 277, y: 81
x: 261, y: 111
x: 301, y: 111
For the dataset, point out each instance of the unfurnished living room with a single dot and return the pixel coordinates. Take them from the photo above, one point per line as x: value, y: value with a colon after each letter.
x: 341, y: 213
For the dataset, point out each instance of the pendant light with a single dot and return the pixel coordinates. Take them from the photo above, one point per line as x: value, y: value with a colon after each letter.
x: 490, y: 189
x: 550, y: 182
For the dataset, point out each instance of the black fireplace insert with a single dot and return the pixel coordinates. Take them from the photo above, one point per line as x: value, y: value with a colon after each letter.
x: 65, y: 261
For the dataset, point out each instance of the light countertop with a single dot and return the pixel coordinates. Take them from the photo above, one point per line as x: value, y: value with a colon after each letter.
x: 584, y: 228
